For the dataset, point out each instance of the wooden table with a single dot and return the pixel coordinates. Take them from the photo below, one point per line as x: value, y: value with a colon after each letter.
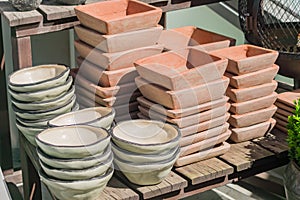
x: 243, y: 160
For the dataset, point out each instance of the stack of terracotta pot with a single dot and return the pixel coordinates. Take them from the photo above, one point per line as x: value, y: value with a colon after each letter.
x: 114, y: 34
x: 187, y: 88
x: 251, y: 70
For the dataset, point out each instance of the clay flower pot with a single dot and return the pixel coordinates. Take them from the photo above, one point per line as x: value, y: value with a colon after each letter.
x: 247, y: 58
x: 288, y: 98
x: 117, y: 16
x: 181, y: 69
x: 179, y: 38
x: 119, y: 42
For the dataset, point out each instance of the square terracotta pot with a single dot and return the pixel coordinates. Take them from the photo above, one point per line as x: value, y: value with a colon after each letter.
x: 105, y: 78
x: 175, y: 114
x: 281, y: 128
x: 256, y: 117
x: 252, y: 132
x: 247, y: 58
x: 118, y: 60
x: 188, y: 120
x: 179, y: 38
x: 247, y: 94
x: 288, y: 98
x: 203, y: 155
x: 281, y: 122
x: 281, y: 117
x: 284, y: 112
x: 181, y: 69
x: 183, y: 98
x: 121, y: 41
x: 285, y: 107
x: 117, y: 16
x: 253, y: 105
x: 254, y: 78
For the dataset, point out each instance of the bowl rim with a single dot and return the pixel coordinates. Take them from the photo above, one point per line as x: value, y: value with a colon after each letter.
x: 67, y: 70
x: 72, y: 127
x: 111, y: 113
x: 138, y: 144
x: 28, y: 127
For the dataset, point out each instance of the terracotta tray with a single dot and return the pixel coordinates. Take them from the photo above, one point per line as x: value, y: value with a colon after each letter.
x: 203, y: 155
x: 111, y: 17
x: 254, y: 78
x: 251, y: 132
x: 182, y: 69
x: 179, y: 38
x: 118, y: 60
x: 104, y: 78
x: 183, y: 98
x: 247, y: 58
x: 175, y: 114
x: 127, y: 108
x: 119, y: 42
x: 246, y: 94
x: 248, y: 119
x: 253, y: 105
x: 281, y: 117
x: 205, y: 144
x: 285, y: 107
x: 189, y: 120
x: 283, y: 112
x: 288, y: 98
x: 198, y: 137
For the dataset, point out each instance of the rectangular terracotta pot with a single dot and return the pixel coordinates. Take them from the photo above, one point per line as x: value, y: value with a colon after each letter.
x: 247, y: 58
x: 254, y: 78
x: 284, y: 112
x: 288, y: 98
x: 247, y: 94
x: 205, y: 144
x: 85, y: 102
x: 118, y: 60
x: 201, y: 136
x: 183, y: 98
x: 281, y: 128
x: 121, y: 41
x: 175, y: 114
x: 252, y: 132
x: 126, y: 108
x: 281, y: 117
x: 130, y: 116
x: 281, y: 122
x: 105, y: 78
x: 253, y: 105
x: 203, y: 155
x: 117, y: 16
x: 285, y: 107
x: 180, y: 38
x: 189, y: 120
x: 181, y: 69
x: 256, y: 117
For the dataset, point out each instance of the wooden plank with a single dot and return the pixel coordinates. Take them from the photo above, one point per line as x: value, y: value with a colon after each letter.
x: 22, y: 53
x: 171, y: 183
x: 205, y: 170
x: 244, y: 155
x: 52, y: 11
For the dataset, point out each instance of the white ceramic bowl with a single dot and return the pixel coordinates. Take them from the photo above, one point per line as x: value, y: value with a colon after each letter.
x: 78, y: 174
x: 38, y: 78
x: 46, y: 114
x: 73, y: 141
x: 86, y: 189
x: 40, y: 123
x: 96, y: 116
x: 29, y: 132
x: 42, y: 95
x: 45, y: 105
x: 146, y: 173
x: 142, y: 158
x: 73, y: 163
x: 145, y: 136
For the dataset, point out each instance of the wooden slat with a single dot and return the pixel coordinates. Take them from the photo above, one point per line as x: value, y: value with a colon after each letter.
x: 243, y: 155
x: 171, y: 183
x: 52, y: 11
x: 205, y: 170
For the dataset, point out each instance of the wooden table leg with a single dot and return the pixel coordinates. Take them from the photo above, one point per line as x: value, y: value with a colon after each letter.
x: 72, y: 48
x: 22, y: 55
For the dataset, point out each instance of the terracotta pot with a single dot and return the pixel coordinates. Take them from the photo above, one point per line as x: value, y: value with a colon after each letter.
x: 291, y: 180
x: 179, y: 38
x: 247, y: 58
x: 112, y: 17
x: 288, y: 98
x: 118, y: 60
x: 281, y: 128
x: 253, y: 105
x: 127, y: 116
x: 281, y: 117
x: 285, y: 107
x: 126, y: 108
x: 248, y: 119
x: 281, y: 122
x: 181, y: 69
x: 246, y: 94
x: 254, y: 78
x: 175, y: 114
x: 119, y: 42
x: 284, y: 112
x: 183, y: 98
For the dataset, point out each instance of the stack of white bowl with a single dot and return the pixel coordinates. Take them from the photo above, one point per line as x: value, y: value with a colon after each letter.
x: 145, y: 150
x: 76, y: 161
x: 39, y: 94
